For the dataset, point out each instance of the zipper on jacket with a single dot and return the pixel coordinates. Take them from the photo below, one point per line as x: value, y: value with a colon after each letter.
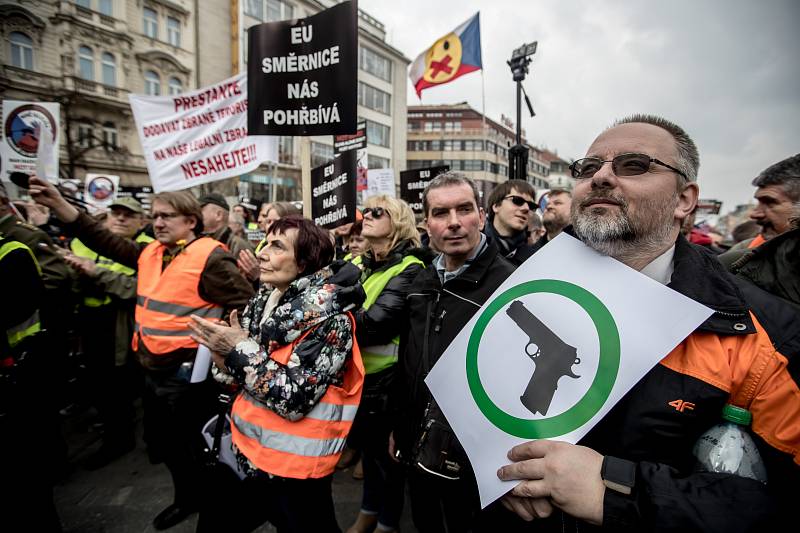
x: 438, y: 327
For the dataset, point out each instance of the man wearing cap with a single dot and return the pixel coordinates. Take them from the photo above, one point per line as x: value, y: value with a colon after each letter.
x: 216, y: 214
x: 105, y: 319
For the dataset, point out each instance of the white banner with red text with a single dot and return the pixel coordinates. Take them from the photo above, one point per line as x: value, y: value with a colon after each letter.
x: 199, y: 136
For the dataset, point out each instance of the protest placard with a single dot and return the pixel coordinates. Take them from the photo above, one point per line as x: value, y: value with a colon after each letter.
x: 100, y: 191
x: 302, y: 75
x: 355, y: 141
x: 199, y: 136
x: 26, y: 125
x: 380, y: 181
x: 552, y: 350
x: 413, y: 182
x: 333, y: 191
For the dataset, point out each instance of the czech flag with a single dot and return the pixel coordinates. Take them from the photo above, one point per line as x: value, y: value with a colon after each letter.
x: 455, y: 54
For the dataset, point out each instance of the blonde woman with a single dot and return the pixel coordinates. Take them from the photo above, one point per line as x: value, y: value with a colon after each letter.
x: 392, y: 261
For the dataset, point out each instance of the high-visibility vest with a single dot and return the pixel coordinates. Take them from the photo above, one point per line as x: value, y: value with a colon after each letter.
x: 81, y: 250
x: 357, y: 260
x: 757, y: 241
x: 306, y: 448
x: 165, y: 300
x: 380, y: 357
x: 261, y: 245
x: 31, y: 325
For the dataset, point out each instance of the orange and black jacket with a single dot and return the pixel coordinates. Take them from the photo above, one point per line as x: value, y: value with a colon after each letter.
x: 747, y: 352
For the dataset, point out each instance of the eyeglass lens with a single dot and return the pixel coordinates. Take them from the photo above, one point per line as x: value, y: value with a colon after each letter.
x: 520, y: 201
x: 622, y: 165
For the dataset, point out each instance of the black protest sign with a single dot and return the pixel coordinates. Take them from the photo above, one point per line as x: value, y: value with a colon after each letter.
x: 413, y: 182
x: 302, y: 74
x: 333, y: 191
x: 351, y: 141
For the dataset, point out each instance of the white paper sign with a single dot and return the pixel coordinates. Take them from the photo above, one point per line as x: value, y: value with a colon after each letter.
x: 568, y: 317
x: 199, y: 136
x: 380, y: 181
x: 26, y: 125
x: 100, y: 190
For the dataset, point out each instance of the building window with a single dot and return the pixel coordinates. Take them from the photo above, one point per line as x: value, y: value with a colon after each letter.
x: 110, y: 138
x: 286, y: 150
x: 109, y: 69
x: 452, y: 126
x: 373, y: 161
x: 374, y: 99
x: 174, y: 86
x: 279, y: 10
x: 254, y: 8
x: 150, y: 22
x: 152, y: 83
x: 21, y: 50
x: 378, y: 134
x: 85, y: 136
x: 321, y: 154
x: 84, y: 3
x: 106, y: 7
x: 86, y: 62
x: 174, y: 32
x: 374, y: 63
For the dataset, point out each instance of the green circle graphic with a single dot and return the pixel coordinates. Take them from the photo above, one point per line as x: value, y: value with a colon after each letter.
x: 601, y: 386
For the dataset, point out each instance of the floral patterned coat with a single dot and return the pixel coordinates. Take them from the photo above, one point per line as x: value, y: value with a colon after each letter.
x: 317, y: 302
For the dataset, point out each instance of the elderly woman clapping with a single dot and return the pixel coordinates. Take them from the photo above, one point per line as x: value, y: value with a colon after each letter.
x: 300, y: 371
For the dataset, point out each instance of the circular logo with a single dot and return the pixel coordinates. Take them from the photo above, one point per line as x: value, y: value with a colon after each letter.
x: 101, y: 188
x: 24, y: 127
x: 443, y: 59
x: 592, y: 400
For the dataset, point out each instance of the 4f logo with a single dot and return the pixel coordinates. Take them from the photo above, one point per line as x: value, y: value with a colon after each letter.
x: 681, y: 405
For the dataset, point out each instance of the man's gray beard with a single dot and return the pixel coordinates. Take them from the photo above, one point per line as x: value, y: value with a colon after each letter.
x: 620, y: 236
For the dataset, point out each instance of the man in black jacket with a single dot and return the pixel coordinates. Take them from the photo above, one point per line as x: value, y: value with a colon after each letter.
x: 635, y: 470
x: 511, y: 206
x: 441, y: 300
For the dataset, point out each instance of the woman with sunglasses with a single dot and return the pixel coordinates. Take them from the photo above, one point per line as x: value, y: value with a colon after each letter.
x: 392, y: 261
x: 301, y: 378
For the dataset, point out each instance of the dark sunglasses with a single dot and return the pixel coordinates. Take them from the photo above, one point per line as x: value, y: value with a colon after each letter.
x: 519, y: 201
x: 622, y: 165
x: 374, y: 212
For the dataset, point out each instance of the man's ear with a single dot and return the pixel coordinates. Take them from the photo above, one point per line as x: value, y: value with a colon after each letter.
x: 687, y: 200
x: 482, y: 214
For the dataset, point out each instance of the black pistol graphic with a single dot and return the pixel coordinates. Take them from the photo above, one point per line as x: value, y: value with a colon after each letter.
x: 553, y: 357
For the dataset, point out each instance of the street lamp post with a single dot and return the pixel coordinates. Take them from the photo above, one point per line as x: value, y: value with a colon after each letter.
x: 518, y: 154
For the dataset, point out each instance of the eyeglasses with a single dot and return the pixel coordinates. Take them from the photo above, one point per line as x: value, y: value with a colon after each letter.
x: 623, y: 165
x: 519, y: 201
x: 165, y: 216
x: 374, y: 212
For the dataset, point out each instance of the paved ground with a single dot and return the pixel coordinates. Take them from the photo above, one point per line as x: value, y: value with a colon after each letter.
x: 126, y: 495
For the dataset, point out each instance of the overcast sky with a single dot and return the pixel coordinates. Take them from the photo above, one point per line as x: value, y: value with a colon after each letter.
x: 727, y: 71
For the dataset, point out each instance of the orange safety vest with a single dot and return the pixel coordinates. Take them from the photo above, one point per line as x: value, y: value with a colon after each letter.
x: 166, y: 299
x: 306, y: 448
x: 757, y: 241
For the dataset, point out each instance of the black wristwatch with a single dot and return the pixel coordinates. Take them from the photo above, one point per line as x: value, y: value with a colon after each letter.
x: 618, y: 474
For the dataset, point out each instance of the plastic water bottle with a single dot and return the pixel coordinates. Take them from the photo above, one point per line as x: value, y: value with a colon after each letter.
x: 728, y: 448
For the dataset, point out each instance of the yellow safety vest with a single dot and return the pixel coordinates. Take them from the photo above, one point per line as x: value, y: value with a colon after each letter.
x: 31, y: 325
x: 380, y: 357
x: 81, y: 250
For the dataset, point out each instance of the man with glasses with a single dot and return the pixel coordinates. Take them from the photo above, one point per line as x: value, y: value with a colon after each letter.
x: 179, y: 274
x: 511, y: 207
x: 634, y: 469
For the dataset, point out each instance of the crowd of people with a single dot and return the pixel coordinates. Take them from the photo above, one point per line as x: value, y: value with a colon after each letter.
x: 320, y: 343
